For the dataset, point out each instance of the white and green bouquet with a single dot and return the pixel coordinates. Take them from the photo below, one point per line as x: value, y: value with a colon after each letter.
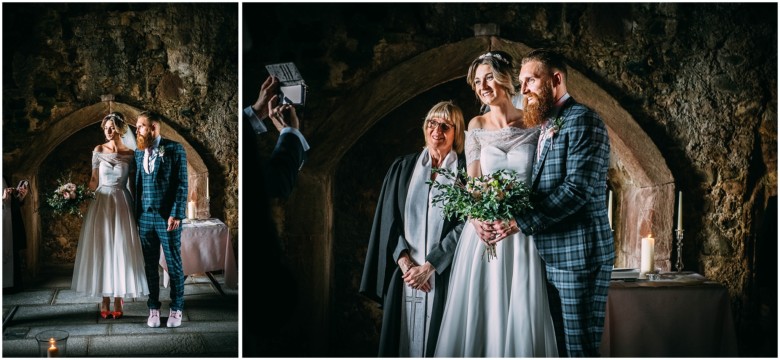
x: 497, y: 196
x: 67, y: 197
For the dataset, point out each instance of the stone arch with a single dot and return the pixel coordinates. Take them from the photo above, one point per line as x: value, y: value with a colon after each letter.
x: 39, y: 149
x: 638, y: 172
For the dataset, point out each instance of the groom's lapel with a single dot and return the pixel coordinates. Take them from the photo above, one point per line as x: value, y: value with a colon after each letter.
x: 538, y: 165
x: 548, y: 144
x: 159, y: 159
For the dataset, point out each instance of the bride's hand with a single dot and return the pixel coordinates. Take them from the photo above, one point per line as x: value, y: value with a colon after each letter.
x: 484, y: 230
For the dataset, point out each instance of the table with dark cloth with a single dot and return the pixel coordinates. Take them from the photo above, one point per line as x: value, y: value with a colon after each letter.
x: 206, y: 247
x: 677, y: 316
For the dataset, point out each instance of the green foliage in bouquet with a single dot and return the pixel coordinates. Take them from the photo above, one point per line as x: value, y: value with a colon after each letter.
x: 67, y: 197
x: 497, y: 196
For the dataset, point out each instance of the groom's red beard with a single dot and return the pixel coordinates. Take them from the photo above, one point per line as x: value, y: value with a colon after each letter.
x: 538, y: 112
x: 142, y: 142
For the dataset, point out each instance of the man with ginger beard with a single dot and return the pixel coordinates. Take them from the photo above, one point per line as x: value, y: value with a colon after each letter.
x: 569, y: 223
x: 161, y: 199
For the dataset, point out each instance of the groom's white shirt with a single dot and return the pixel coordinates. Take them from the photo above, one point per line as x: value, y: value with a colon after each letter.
x: 556, y: 110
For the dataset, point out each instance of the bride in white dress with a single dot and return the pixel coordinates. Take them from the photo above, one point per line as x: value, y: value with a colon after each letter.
x: 497, y: 308
x: 109, y: 261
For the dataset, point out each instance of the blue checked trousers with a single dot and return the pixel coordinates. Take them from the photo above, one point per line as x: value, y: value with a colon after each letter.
x: 154, y: 232
x: 578, y: 301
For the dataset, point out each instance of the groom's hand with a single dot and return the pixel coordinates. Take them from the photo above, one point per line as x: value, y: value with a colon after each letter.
x: 173, y: 223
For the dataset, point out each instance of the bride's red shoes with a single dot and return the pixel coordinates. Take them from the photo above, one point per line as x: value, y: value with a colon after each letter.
x: 118, y: 314
x: 104, y: 313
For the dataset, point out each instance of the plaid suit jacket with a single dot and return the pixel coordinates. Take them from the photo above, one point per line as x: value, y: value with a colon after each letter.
x: 166, y: 186
x: 569, y: 221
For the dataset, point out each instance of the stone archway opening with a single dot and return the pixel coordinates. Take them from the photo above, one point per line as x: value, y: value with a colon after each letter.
x: 40, y: 149
x: 642, y: 183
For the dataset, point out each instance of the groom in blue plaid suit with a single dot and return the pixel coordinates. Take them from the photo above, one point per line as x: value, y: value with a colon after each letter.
x: 161, y: 198
x: 569, y: 221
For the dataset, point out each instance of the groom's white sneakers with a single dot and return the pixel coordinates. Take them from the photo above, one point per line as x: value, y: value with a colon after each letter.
x: 154, y: 318
x: 174, y: 318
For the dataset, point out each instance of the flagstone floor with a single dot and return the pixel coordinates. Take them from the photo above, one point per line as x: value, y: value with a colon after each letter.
x: 209, y: 327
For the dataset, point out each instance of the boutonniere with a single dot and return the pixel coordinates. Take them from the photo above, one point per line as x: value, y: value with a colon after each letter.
x: 552, y: 128
x: 161, y: 152
x: 557, y: 124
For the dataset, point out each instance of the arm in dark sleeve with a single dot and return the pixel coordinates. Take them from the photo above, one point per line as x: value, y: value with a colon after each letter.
x: 441, y: 255
x: 283, y: 166
x: 180, y: 181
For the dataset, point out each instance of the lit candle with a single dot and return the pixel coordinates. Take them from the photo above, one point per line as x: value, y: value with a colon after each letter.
x: 609, y: 209
x: 191, y: 210
x: 648, y: 255
x: 207, y: 186
x: 679, y: 211
x: 53, y: 351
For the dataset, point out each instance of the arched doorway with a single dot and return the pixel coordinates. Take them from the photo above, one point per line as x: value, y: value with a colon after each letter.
x: 35, y: 153
x: 638, y: 173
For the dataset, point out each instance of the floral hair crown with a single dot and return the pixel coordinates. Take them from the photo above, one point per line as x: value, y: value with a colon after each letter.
x: 494, y: 55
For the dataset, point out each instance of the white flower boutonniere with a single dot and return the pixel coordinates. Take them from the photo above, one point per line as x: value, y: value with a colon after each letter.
x: 557, y: 124
x: 161, y: 153
x: 552, y: 128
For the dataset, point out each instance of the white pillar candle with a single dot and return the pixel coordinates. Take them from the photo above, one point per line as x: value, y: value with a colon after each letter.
x: 679, y: 211
x: 648, y: 255
x: 191, y: 210
x: 609, y: 209
x: 53, y: 350
x: 207, y: 186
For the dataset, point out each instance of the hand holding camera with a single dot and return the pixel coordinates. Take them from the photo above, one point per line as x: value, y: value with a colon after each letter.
x: 282, y: 115
x: 20, y: 191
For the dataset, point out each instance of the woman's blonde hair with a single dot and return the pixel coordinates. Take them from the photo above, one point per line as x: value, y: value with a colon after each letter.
x: 451, y: 113
x: 119, y: 122
x: 503, y: 70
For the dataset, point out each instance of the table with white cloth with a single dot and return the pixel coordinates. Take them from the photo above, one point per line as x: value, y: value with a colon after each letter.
x: 206, y: 247
x: 683, y: 315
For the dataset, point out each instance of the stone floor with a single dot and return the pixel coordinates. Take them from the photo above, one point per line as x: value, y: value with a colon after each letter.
x: 209, y: 327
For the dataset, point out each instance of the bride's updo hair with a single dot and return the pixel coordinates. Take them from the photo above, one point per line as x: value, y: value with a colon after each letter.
x: 503, y: 70
x: 119, y: 122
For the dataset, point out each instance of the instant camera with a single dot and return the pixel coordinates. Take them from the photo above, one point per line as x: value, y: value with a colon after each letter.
x: 292, y: 88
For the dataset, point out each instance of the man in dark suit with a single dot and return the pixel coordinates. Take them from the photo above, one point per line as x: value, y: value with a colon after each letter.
x: 569, y: 222
x: 17, y: 242
x: 275, y: 179
x: 280, y: 170
x: 161, y: 200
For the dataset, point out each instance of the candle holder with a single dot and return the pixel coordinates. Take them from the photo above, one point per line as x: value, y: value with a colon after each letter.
x: 679, y: 265
x: 52, y: 343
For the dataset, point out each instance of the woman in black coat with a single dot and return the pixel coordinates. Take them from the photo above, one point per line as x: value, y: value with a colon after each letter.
x: 411, y: 244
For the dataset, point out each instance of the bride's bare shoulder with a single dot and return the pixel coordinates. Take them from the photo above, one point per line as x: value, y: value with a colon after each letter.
x: 98, y: 148
x: 477, y: 122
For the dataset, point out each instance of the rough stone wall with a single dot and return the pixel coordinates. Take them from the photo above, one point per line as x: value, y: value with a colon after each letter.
x: 178, y: 59
x: 700, y: 79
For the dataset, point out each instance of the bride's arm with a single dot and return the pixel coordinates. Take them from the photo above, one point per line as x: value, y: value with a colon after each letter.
x: 94, y: 179
x: 473, y: 169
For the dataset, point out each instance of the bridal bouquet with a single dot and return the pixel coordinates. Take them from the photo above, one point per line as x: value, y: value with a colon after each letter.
x: 67, y: 197
x: 497, y: 196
